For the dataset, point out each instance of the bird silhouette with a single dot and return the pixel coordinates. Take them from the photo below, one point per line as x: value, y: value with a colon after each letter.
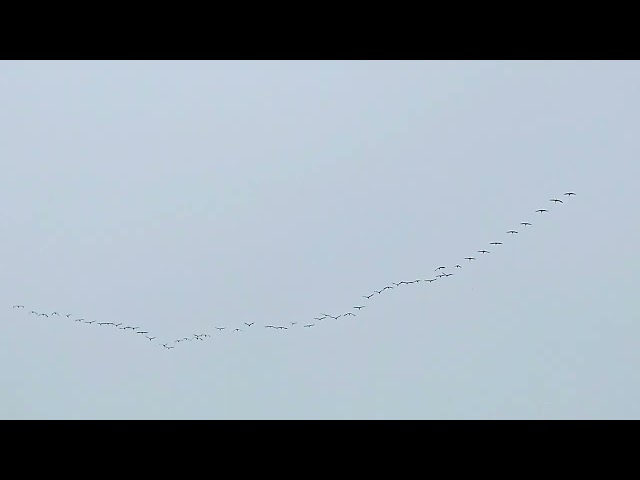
x: 439, y: 268
x: 555, y: 200
x: 458, y: 266
x: 249, y: 324
x: 469, y: 258
x: 309, y: 325
x: 18, y: 306
x: 359, y: 307
x: 525, y: 223
x: 541, y: 210
x: 568, y: 194
x: 237, y: 330
x: 495, y: 243
x: 430, y: 280
x: 513, y: 232
x: 483, y: 251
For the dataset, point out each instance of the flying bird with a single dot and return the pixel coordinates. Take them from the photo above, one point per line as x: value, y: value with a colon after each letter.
x: 369, y: 296
x: 221, y: 328
x: 309, y: 325
x: 430, y: 280
x: 349, y: 313
x: 18, y: 306
x: 293, y: 323
x: 458, y: 266
x: 237, y: 330
x: 142, y: 332
x: 555, y: 200
x: 525, y: 223
x: 483, y: 251
x: 495, y: 243
x: 151, y: 338
x: 54, y: 313
x: 439, y: 268
x: 542, y: 210
x: 568, y: 194
x: 469, y: 258
x: 249, y: 324
x: 68, y: 315
x: 359, y: 307
x: 512, y: 232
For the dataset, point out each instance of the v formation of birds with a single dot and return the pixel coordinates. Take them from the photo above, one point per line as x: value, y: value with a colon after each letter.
x: 439, y: 273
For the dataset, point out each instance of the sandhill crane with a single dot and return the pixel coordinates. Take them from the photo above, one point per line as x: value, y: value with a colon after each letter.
x: 169, y: 348
x: 282, y: 328
x: 237, y: 330
x: 293, y: 323
x: 55, y: 313
x: 249, y: 324
x: 483, y: 251
x: 104, y: 323
x: 512, y: 232
x: 448, y: 274
x: 440, y: 275
x: 458, y: 266
x: 349, y: 313
x: 151, y: 338
x: 359, y: 307
x: 89, y: 323
x: 18, y: 306
x: 33, y: 311
x: 68, y: 315
x: 526, y: 224
x: 495, y: 243
x: 78, y: 320
x: 541, y: 210
x: 43, y: 315
x: 568, y: 194
x: 142, y: 333
x: 555, y: 200
x: 309, y: 325
x: 269, y: 326
x: 387, y: 287
x: 221, y: 328
x: 469, y: 258
x: 430, y: 280
x: 369, y: 296
x: 439, y: 268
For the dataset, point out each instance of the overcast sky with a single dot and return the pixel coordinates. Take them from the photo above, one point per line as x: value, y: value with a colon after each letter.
x: 182, y: 196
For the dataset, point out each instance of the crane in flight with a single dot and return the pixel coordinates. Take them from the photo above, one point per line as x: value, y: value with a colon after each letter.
x: 349, y: 313
x: 555, y: 200
x: 568, y: 194
x: 525, y: 224
x: 495, y: 243
x: 469, y: 258
x: 359, y: 307
x: 483, y: 251
x: 541, y: 210
x: 249, y: 324
x: 369, y: 296
x: 18, y: 306
x: 151, y: 338
x: 458, y: 266
x: 439, y: 268
x: 221, y: 328
x: 237, y: 330
x: 309, y: 325
x: 512, y: 232
x: 430, y: 280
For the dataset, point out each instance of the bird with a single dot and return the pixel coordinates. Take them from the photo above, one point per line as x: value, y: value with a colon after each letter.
x: 18, y: 306
x: 458, y: 266
x: 151, y: 338
x: 33, y: 311
x: 469, y: 258
x: 198, y: 337
x: 440, y: 275
x: 54, y: 313
x: 89, y: 323
x: 430, y: 280
x: 142, y: 332
x: 568, y: 194
x: 249, y: 324
x: 439, y: 268
x: 293, y: 323
x: 495, y: 243
x: 237, y: 330
x: 483, y: 251
x: 68, y: 315
x: 541, y: 210
x: 319, y: 318
x: 349, y: 313
x: 118, y: 324
x: 221, y: 328
x: 43, y: 315
x: 282, y: 328
x: 448, y: 274
x: 309, y: 325
x: 104, y: 323
x: 359, y: 307
x: 169, y: 348
x: 555, y: 200
x: 525, y: 223
x: 164, y: 345
x: 369, y: 296
x: 78, y: 320
x: 512, y: 232
x: 387, y: 287
x: 269, y: 326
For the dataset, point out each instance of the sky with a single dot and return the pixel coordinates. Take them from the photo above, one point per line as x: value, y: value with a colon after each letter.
x: 181, y: 196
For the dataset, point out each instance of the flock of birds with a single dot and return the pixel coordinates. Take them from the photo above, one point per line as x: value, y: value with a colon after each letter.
x: 439, y: 273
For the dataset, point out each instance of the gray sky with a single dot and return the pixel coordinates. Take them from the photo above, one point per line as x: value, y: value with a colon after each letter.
x: 180, y: 196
